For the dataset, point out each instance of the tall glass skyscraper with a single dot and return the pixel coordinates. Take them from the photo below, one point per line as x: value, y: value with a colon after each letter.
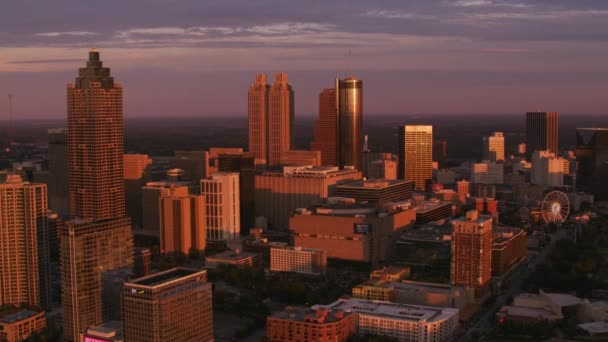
x: 349, y: 99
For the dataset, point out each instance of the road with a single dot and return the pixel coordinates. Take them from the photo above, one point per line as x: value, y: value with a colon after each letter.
x: 482, y: 324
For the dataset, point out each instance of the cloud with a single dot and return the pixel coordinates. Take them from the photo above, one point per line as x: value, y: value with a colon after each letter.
x: 67, y: 33
x: 393, y: 14
x: 46, y: 61
x: 487, y: 3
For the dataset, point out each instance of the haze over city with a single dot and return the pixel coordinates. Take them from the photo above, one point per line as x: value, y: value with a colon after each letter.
x: 195, y: 59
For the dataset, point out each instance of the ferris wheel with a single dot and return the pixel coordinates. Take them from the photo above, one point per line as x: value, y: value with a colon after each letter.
x: 555, y: 207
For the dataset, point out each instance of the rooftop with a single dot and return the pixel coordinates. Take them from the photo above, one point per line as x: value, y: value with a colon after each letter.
x: 423, y: 207
x: 429, y: 233
x: 231, y: 255
x: 414, y: 313
x: 18, y: 316
x: 373, y: 184
x: 164, y: 277
x: 594, y: 328
x: 320, y: 315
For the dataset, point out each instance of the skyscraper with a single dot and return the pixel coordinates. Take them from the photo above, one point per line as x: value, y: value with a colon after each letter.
x: 222, y: 201
x: 416, y: 154
x: 169, y: 306
x: 194, y: 163
x: 541, y: 132
x: 59, y: 198
x: 280, y: 119
x: 244, y: 164
x: 349, y: 100
x: 494, y: 147
x: 472, y: 251
x: 95, y: 143
x: 150, y: 199
x: 182, y: 223
x: 257, y: 105
x: 136, y: 175
x: 89, y: 249
x: 592, y: 160
x: 23, y: 212
x: 326, y: 128
x: 99, y: 238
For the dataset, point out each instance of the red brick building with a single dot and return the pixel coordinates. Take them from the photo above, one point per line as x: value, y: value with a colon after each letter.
x: 298, y: 324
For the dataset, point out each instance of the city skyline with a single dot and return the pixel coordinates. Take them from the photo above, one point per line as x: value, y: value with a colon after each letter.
x: 509, y: 56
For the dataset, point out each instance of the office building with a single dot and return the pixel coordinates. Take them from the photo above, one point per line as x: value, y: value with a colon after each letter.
x: 326, y: 128
x: 21, y: 325
x: 416, y: 154
x: 541, y: 132
x: 401, y: 322
x: 351, y: 231
x: 472, y: 251
x: 310, y: 261
x: 110, y: 331
x: 142, y: 262
x: 280, y: 119
x: 237, y: 258
x: 23, y: 214
x: 95, y: 143
x: 591, y: 156
x: 244, y: 164
x: 301, y: 158
x: 169, y: 306
x: 378, y: 192
x: 195, y: 164
x: 429, y: 245
x: 432, y: 210
x: 222, y: 201
x: 277, y: 194
x: 349, y: 101
x: 48, y: 259
x: 182, y: 223
x: 136, y: 174
x: 299, y: 324
x: 487, y: 172
x: 150, y: 203
x: 440, y: 153
x: 59, y: 194
x: 509, y: 249
x: 90, y: 248
x: 494, y: 147
x: 214, y: 157
x: 271, y: 114
x: 382, y: 169
x: 548, y: 169
x: 446, y: 177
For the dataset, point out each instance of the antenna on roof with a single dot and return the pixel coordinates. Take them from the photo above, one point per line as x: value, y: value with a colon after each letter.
x: 349, y: 62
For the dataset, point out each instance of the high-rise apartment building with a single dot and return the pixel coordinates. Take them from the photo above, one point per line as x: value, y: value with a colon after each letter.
x: 494, y: 147
x: 95, y: 143
x: 541, y: 132
x: 416, y: 154
x: 59, y: 195
x: 90, y: 249
x: 471, y: 251
x: 591, y: 157
x: 23, y: 213
x: 326, y: 128
x: 271, y: 115
x: 349, y: 100
x: 150, y: 203
x: 136, y: 174
x: 182, y: 223
x: 222, y: 201
x: 169, y: 306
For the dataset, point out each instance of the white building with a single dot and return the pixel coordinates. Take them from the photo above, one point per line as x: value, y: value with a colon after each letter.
x: 400, y: 321
x: 494, y: 147
x: 311, y: 261
x: 487, y: 172
x: 222, y: 202
x: 548, y: 170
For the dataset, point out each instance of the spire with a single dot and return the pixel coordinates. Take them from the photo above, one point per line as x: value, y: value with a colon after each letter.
x: 94, y: 73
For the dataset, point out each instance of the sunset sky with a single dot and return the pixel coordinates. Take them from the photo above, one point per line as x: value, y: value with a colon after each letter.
x: 198, y: 57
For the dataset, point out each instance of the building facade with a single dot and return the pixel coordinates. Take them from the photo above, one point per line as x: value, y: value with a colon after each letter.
x: 548, y: 169
x: 326, y: 128
x: 472, y: 251
x: 280, y: 119
x: 487, y: 172
x: 182, y: 223
x: 244, y: 164
x: 377, y: 192
x: 150, y: 203
x: 222, y: 201
x: 349, y: 102
x: 136, y: 174
x: 311, y: 261
x: 23, y: 214
x: 59, y: 194
x: 21, y: 325
x: 169, y: 306
x: 301, y: 158
x: 494, y: 147
x: 195, y: 164
x: 416, y: 154
x: 296, y: 324
x: 541, y: 132
x: 591, y: 156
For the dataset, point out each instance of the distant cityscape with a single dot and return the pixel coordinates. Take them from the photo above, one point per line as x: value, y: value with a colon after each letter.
x: 271, y: 235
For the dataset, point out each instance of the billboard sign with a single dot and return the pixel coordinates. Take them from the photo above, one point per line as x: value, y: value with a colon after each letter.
x: 362, y: 228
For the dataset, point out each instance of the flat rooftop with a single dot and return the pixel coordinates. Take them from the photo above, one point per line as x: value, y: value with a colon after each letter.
x: 164, y: 277
x: 406, y: 312
x: 300, y: 314
x: 231, y: 255
x: 423, y: 207
x: 428, y: 233
x: 373, y: 184
x: 18, y: 316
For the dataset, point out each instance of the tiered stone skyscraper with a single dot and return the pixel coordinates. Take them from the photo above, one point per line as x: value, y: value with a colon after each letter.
x: 271, y: 115
x: 99, y: 238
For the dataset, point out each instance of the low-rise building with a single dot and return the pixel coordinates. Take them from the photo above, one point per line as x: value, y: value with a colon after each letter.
x: 378, y: 191
x: 528, y: 308
x: 236, y: 258
x: 311, y: 261
x: 110, y: 331
x: 19, y: 326
x: 509, y: 248
x: 432, y: 210
x: 300, y: 324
